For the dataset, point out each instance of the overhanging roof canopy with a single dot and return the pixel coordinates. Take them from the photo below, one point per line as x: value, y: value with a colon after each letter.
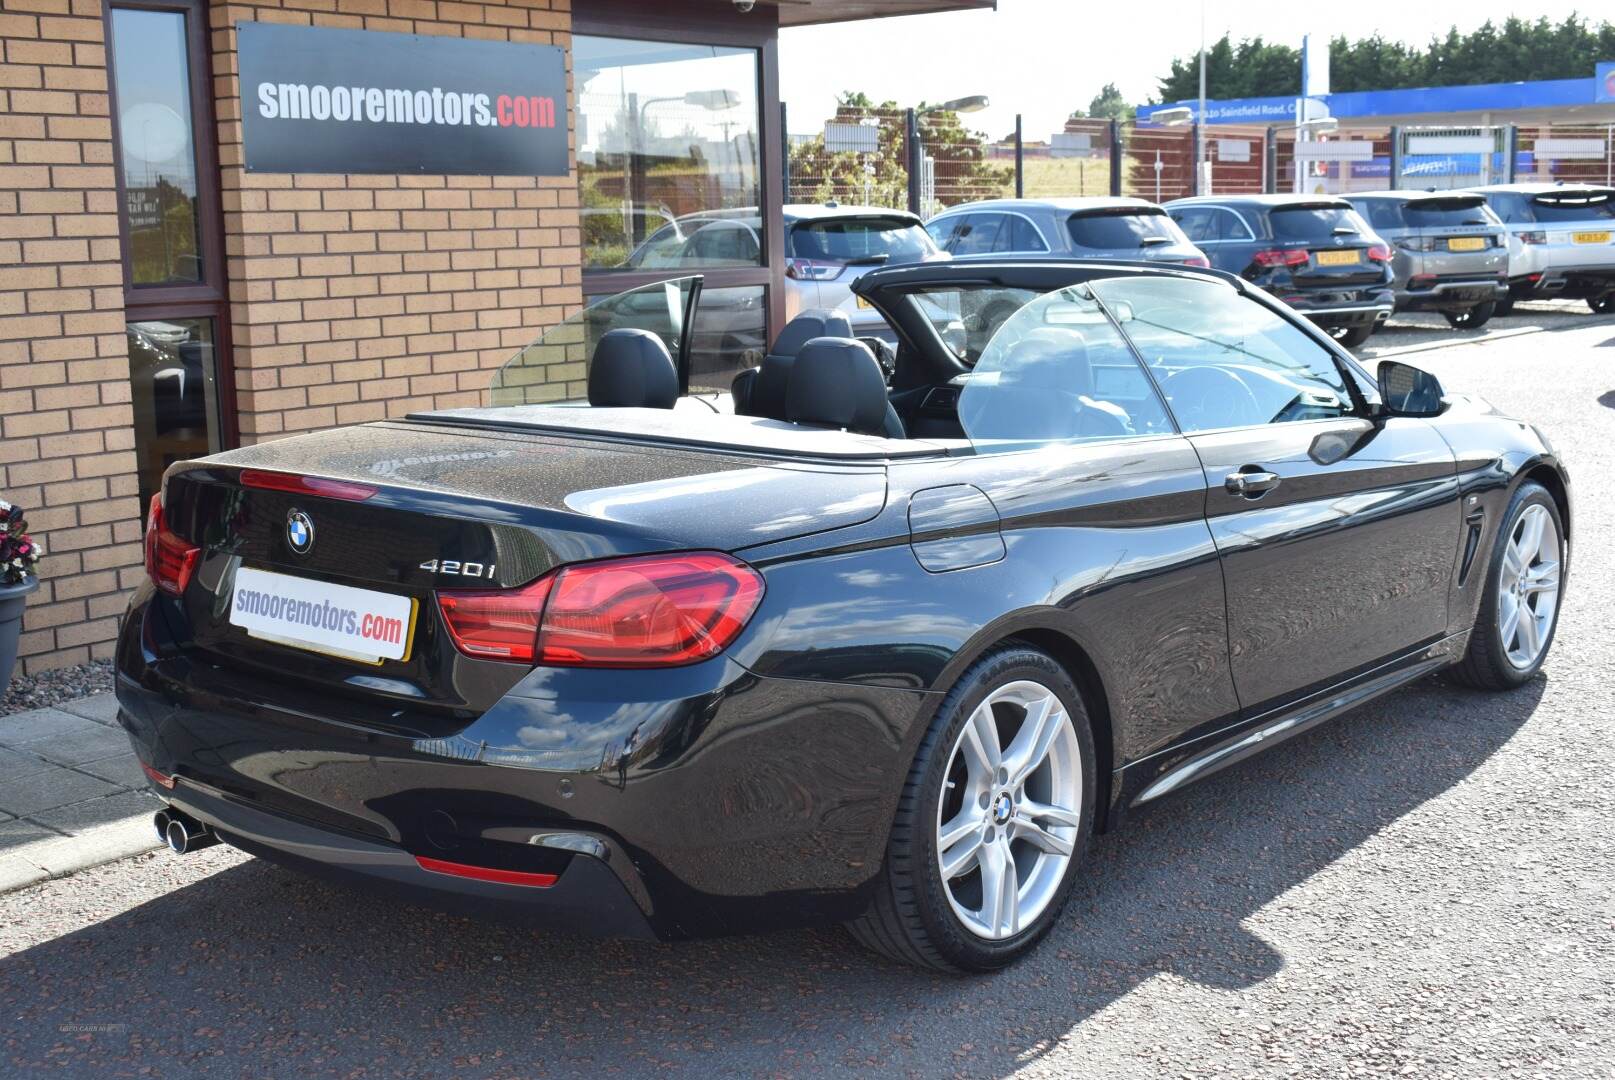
x: 816, y: 12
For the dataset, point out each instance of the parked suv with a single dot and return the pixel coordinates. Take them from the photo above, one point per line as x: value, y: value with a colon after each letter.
x: 1093, y: 228
x: 827, y: 248
x: 1561, y: 241
x: 1450, y: 251
x: 1312, y: 251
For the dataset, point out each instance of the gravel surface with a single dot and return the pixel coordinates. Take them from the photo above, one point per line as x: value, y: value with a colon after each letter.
x: 1425, y: 888
x: 55, y: 687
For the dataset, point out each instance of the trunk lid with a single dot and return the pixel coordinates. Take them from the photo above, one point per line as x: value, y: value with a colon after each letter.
x: 454, y: 507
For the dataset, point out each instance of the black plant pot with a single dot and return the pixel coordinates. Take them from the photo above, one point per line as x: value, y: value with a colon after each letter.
x: 13, y: 598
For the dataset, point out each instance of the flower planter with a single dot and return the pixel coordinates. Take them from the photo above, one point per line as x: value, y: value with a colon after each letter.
x: 13, y: 598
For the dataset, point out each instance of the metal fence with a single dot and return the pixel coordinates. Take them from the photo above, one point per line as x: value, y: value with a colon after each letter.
x: 926, y: 162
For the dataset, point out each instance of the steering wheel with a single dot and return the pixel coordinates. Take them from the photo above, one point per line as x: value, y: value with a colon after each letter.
x: 1211, y: 397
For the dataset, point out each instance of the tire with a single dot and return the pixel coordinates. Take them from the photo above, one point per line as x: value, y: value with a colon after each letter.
x: 1602, y: 305
x: 1471, y: 318
x: 1503, y: 308
x: 914, y: 916
x: 1353, y: 336
x: 1491, y: 662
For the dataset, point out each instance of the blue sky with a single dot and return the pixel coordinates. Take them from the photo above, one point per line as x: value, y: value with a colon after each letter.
x: 1045, y: 57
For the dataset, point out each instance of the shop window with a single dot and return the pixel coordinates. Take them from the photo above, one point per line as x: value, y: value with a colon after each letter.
x: 174, y: 290
x: 158, y: 165
x: 668, y: 146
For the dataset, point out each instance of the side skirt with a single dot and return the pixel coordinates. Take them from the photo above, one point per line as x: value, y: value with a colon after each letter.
x: 1162, y: 773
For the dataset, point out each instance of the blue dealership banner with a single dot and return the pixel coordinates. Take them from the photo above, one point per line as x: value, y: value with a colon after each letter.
x: 319, y: 100
x: 1604, y: 82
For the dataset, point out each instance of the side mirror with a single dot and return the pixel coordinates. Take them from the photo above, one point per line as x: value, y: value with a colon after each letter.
x: 1407, y: 391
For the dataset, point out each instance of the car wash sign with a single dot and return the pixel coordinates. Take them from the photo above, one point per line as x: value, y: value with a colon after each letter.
x: 316, y: 100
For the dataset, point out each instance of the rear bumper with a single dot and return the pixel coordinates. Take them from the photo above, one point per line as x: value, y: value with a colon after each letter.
x: 1451, y: 295
x: 588, y: 896
x: 721, y: 801
x: 1347, y: 315
x: 1572, y: 283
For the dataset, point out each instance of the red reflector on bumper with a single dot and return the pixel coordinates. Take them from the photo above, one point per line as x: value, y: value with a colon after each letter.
x: 156, y: 777
x: 486, y: 873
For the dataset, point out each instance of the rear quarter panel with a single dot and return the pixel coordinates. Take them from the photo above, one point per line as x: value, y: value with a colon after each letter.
x: 1105, y: 543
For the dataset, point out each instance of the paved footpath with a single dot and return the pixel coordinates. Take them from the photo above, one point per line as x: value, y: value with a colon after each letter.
x: 71, y: 793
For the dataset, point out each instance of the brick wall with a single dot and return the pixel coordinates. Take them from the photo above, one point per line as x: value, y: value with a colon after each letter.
x: 66, y: 432
x: 352, y: 298
x: 355, y: 298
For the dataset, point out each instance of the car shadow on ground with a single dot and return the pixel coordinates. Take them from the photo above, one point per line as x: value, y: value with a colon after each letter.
x: 256, y: 968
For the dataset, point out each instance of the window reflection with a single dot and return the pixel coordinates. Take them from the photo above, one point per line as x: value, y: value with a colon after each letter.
x: 175, y: 403
x: 158, y: 157
x: 667, y: 134
x: 727, y: 337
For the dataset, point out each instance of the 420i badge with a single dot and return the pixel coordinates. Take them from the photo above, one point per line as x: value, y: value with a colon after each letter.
x: 833, y: 643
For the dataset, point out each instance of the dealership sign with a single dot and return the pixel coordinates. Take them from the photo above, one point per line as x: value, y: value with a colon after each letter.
x: 319, y: 100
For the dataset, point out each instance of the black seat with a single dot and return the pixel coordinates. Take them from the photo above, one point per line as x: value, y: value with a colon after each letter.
x: 836, y: 383
x: 760, y: 391
x: 632, y: 369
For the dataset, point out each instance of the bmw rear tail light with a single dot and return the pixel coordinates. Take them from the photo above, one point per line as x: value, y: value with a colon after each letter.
x: 1533, y: 237
x: 1380, y: 253
x: 1198, y: 260
x: 638, y: 612
x: 170, y: 561
x: 1281, y: 257
x: 813, y: 269
x: 496, y: 624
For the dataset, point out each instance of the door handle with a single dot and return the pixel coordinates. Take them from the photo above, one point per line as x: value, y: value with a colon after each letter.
x: 1252, y: 482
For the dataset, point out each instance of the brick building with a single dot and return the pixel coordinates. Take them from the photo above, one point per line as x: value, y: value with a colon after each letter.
x: 161, y: 297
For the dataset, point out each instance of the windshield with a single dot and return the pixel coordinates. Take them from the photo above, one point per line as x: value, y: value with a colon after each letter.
x: 861, y: 239
x: 965, y: 317
x: 1315, y: 223
x: 1123, y: 229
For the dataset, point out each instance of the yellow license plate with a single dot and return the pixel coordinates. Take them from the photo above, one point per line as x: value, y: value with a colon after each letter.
x: 1591, y: 237
x: 862, y: 302
x: 1337, y: 258
x: 1466, y: 243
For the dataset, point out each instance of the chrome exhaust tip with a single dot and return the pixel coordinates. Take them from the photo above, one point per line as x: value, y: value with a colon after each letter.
x: 159, y: 822
x: 184, y: 835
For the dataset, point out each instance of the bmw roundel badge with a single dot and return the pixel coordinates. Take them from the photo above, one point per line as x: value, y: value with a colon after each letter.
x: 299, y: 531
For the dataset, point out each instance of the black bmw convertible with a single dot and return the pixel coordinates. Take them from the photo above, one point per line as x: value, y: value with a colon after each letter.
x: 863, y: 635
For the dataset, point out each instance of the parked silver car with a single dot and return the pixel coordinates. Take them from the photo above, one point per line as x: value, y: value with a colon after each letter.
x: 1450, y: 251
x: 1094, y: 228
x: 1561, y: 241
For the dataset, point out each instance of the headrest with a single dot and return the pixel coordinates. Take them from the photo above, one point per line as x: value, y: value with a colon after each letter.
x: 632, y: 369
x: 812, y: 323
x: 836, y: 383
x: 768, y: 392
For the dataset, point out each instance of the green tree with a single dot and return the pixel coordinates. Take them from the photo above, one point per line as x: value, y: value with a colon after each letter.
x: 1517, y: 50
x: 962, y: 169
x: 1108, y: 104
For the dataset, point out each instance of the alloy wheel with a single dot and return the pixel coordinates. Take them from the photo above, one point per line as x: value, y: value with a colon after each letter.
x: 1528, y: 586
x: 1010, y: 810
